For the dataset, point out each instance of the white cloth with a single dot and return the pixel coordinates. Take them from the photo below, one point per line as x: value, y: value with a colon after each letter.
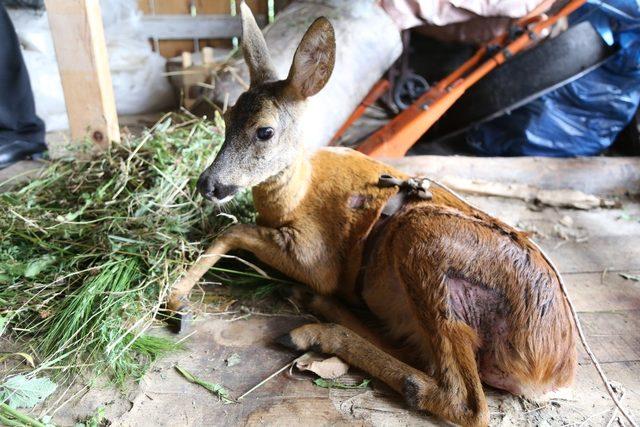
x: 412, y: 13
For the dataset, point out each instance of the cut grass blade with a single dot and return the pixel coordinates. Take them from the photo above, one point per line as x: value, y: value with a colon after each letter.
x: 633, y: 277
x: 321, y: 382
x: 214, y: 388
x: 13, y: 417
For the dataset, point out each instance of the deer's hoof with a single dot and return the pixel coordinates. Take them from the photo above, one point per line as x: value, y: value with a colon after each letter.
x: 286, y: 341
x: 301, y: 338
x: 181, y: 320
x: 179, y: 316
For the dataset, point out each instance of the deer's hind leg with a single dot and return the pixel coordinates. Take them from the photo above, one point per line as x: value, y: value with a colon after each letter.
x: 336, y: 339
x: 448, y: 344
x: 459, y: 396
x: 453, y: 392
x: 420, y: 390
x: 450, y: 386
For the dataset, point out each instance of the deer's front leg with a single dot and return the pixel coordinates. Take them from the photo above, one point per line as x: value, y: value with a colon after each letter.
x: 178, y: 301
x: 281, y: 249
x: 271, y: 246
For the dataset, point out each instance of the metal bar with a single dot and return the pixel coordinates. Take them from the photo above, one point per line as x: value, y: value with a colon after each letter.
x: 374, y: 94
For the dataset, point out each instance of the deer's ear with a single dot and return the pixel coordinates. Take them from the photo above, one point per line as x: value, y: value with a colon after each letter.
x: 314, y: 59
x: 254, y: 49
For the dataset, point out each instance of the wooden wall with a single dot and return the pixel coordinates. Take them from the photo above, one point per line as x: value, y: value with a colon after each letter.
x: 170, y: 48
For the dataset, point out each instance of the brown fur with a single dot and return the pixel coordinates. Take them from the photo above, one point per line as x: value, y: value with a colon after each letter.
x: 438, y: 344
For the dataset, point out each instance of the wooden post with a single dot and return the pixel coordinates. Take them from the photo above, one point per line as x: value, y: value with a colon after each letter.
x: 81, y: 51
x: 207, y: 55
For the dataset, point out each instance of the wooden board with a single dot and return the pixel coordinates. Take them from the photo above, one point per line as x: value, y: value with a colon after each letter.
x: 593, y: 175
x: 78, y: 36
x: 611, y: 335
x: 172, y: 48
x: 598, y: 292
x: 622, y: 254
x: 167, y: 27
x: 166, y: 398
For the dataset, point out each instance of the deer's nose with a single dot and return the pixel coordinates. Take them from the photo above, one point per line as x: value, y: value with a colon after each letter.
x: 211, y: 190
x: 204, y: 188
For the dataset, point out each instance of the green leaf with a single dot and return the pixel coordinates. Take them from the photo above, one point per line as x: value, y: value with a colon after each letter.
x: 37, y: 266
x: 4, y: 322
x: 214, y: 388
x: 634, y: 277
x: 72, y: 216
x: 22, y: 392
x: 321, y: 382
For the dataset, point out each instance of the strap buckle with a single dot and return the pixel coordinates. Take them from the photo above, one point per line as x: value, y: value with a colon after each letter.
x: 413, y: 187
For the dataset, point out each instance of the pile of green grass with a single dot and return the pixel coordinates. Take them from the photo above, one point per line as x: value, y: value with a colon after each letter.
x: 89, y: 249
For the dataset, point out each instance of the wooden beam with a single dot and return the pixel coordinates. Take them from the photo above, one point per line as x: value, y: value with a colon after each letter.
x: 78, y: 37
x: 175, y: 27
x: 601, y: 176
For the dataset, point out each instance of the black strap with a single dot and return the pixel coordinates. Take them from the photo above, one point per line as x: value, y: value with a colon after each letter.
x: 412, y: 188
x: 407, y: 189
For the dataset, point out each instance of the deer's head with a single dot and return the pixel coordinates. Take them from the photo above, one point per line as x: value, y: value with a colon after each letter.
x: 262, y: 136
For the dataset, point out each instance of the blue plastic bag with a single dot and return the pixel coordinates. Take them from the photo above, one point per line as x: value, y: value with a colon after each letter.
x: 582, y: 118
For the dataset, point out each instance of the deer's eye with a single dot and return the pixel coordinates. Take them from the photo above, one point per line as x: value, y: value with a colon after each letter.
x: 265, y: 133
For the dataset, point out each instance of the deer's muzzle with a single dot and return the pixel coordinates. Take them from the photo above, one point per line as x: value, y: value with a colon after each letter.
x: 215, y: 191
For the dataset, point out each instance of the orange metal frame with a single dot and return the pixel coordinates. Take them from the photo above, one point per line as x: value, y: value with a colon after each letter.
x: 398, y: 136
x: 376, y: 92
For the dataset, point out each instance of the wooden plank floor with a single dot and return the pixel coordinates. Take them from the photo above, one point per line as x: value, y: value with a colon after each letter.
x: 600, y: 245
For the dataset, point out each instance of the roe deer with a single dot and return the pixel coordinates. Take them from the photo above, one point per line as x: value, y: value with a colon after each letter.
x: 463, y: 297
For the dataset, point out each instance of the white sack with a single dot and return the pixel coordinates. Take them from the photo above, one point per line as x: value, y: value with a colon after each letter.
x: 413, y: 13
x: 136, y: 71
